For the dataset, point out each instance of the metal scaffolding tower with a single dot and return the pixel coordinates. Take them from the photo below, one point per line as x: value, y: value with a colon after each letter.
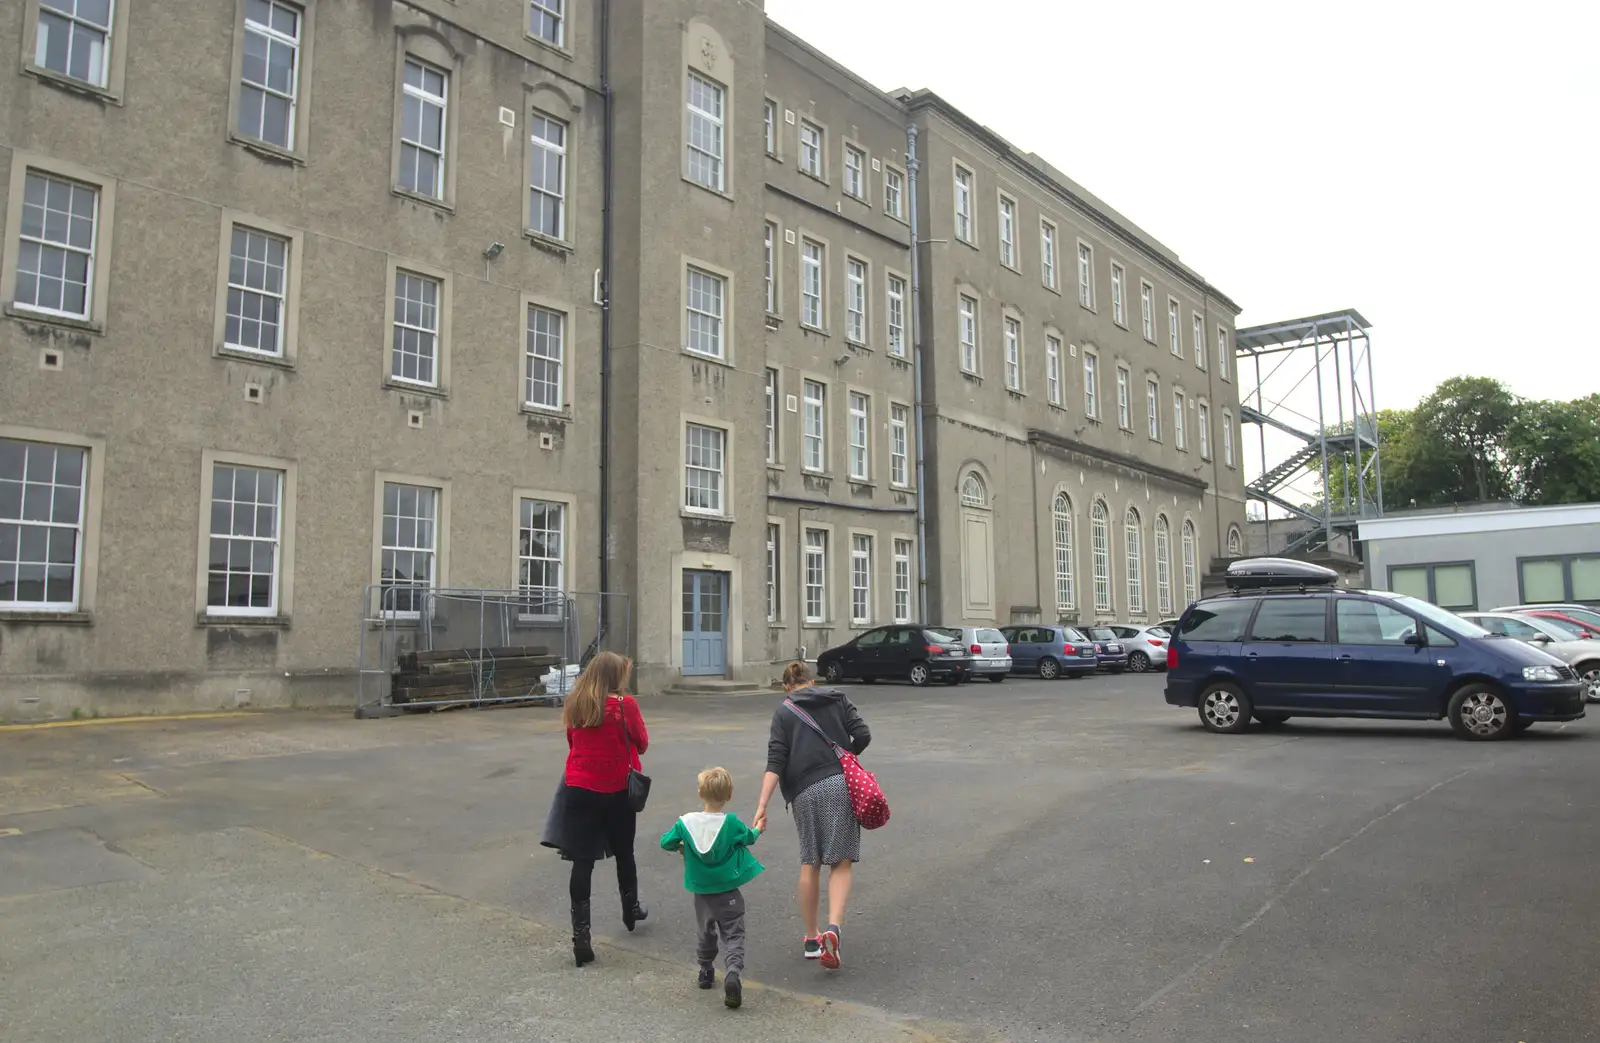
x: 1342, y: 438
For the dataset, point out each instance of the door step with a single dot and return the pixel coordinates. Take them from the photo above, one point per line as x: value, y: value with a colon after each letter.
x: 716, y: 686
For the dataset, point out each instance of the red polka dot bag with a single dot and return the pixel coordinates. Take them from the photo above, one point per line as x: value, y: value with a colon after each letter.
x: 867, y: 802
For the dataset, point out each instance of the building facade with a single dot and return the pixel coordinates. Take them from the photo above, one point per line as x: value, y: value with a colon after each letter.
x: 311, y: 306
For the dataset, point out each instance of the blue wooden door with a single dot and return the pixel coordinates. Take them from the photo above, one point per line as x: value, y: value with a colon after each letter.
x: 704, y: 623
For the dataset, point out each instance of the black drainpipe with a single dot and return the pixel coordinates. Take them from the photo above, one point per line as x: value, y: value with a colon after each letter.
x: 605, y: 318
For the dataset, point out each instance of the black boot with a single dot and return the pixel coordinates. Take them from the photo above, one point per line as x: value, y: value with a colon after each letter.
x: 633, y: 910
x: 582, y: 950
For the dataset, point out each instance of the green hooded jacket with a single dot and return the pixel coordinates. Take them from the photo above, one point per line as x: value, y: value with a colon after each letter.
x: 716, y: 851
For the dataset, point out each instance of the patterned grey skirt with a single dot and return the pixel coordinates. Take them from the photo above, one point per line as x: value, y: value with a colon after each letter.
x: 829, y: 832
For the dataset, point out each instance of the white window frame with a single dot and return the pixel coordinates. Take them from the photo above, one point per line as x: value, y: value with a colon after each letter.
x: 429, y: 550
x: 772, y: 389
x: 1163, y: 566
x: 860, y: 419
x: 77, y: 23
x: 813, y: 309
x: 1013, y: 348
x: 66, y: 248
x: 1091, y: 384
x: 856, y: 279
x: 855, y: 172
x: 546, y: 148
x: 548, y: 12
x: 244, y: 288
x: 1061, y: 525
x: 705, y: 469
x: 1227, y: 438
x: 544, y: 357
x: 774, y: 572
x: 894, y: 192
x: 413, y: 324
x: 1199, y: 340
x: 1008, y: 232
x: 1133, y: 553
x: 251, y: 539
x: 895, y: 313
x: 1203, y: 419
x: 1047, y: 254
x: 1147, y: 310
x: 814, y: 575
x: 1222, y: 352
x: 1152, y: 405
x: 1100, y: 552
x: 296, y: 45
x: 811, y: 158
x: 1124, y: 398
x: 771, y: 277
x: 709, y: 156
x: 899, y: 446
x: 1179, y: 403
x: 814, y: 426
x: 901, y: 608
x: 705, y: 309
x: 770, y: 116
x: 860, y: 579
x: 967, y: 326
x: 1119, y: 294
x: 78, y: 526
x: 1085, y: 275
x: 426, y: 99
x: 1175, y: 327
x: 1052, y: 368
x: 541, y: 601
x: 1191, y: 568
x: 963, y: 204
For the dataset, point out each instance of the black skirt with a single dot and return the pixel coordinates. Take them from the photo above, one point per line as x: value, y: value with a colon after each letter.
x: 582, y: 822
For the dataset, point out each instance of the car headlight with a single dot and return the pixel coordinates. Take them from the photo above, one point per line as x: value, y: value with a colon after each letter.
x: 1540, y: 673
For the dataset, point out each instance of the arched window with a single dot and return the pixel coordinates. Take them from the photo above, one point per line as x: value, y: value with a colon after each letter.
x: 973, y: 494
x: 1235, y: 543
x: 1100, y: 545
x: 1163, y: 567
x: 1061, y: 517
x: 1191, y: 573
x: 1133, y: 550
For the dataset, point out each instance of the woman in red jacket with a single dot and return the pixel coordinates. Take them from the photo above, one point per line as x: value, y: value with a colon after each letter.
x: 605, y: 736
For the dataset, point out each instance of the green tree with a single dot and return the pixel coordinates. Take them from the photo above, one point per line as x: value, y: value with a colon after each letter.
x: 1459, y: 437
x: 1554, y: 451
x: 1394, y: 436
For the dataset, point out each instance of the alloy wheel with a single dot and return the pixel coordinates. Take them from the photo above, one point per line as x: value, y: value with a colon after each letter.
x: 1484, y: 713
x: 1049, y: 669
x: 1591, y: 683
x: 919, y: 674
x: 1138, y: 662
x: 1222, y: 708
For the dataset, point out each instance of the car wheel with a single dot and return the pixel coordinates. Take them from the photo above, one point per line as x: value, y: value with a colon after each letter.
x: 1589, y: 674
x: 1049, y: 669
x: 920, y: 674
x: 833, y: 673
x: 1138, y: 662
x: 1224, y: 708
x: 1270, y: 720
x: 996, y: 678
x: 1479, y: 713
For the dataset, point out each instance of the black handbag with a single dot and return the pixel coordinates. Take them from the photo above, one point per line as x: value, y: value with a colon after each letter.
x: 638, y: 781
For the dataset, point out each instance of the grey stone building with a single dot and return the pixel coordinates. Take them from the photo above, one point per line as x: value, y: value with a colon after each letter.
x: 303, y: 299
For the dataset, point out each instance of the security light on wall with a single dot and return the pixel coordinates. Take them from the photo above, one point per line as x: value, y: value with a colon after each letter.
x: 842, y: 359
x: 494, y: 250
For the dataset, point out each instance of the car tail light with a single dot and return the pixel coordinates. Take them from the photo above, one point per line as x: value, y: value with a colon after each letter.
x: 976, y: 649
x: 1172, y: 657
x: 1069, y: 649
x: 1156, y: 642
x: 1008, y: 650
x: 933, y: 649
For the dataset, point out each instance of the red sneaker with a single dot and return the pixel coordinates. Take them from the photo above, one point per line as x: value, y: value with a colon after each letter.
x: 830, y: 947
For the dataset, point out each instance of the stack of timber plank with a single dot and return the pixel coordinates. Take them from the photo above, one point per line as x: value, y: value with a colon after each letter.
x: 468, y: 674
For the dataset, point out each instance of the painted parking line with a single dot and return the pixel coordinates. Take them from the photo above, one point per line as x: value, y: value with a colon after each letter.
x: 128, y: 720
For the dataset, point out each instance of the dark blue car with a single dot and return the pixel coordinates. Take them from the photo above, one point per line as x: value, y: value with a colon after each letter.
x: 1050, y: 651
x: 1288, y: 643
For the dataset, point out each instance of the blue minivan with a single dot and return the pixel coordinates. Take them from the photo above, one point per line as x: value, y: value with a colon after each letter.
x: 1286, y: 642
x: 1050, y: 651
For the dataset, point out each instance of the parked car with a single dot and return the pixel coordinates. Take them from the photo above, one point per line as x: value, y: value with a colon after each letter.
x: 1051, y: 651
x: 1108, y: 646
x: 1147, y: 646
x: 1573, y: 646
x: 1580, y: 617
x: 919, y: 654
x: 1286, y: 641
x: 990, y: 651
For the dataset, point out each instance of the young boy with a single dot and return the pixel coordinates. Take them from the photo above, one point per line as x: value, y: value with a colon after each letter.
x: 716, y: 863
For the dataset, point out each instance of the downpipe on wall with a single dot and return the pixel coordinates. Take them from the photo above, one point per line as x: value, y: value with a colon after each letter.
x: 916, y: 371
x: 605, y: 315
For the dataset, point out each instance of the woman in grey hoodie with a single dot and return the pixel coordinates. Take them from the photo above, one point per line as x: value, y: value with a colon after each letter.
x: 806, y: 768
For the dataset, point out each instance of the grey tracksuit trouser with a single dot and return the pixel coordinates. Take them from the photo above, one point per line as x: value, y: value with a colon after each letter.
x: 721, y: 914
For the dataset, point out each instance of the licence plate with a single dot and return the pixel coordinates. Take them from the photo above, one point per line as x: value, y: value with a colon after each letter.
x: 1113, y: 648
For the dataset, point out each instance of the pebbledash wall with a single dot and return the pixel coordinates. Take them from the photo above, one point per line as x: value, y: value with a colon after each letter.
x: 301, y: 297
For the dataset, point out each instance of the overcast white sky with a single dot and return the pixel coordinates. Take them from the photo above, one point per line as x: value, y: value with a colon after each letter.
x: 1433, y: 165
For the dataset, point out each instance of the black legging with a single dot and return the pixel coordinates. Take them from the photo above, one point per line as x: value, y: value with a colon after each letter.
x: 608, y: 815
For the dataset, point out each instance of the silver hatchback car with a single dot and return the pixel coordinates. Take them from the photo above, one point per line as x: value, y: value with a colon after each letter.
x: 991, y: 652
x: 1572, y: 646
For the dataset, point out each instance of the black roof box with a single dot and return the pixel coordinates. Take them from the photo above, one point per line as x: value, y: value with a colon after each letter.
x: 1265, y: 573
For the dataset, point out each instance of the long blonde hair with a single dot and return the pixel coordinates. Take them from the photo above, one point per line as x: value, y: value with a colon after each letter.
x: 586, y: 705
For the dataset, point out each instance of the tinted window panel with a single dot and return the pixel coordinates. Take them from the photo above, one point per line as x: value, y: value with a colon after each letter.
x: 1369, y: 623
x: 1218, y: 621
x: 1291, y: 619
